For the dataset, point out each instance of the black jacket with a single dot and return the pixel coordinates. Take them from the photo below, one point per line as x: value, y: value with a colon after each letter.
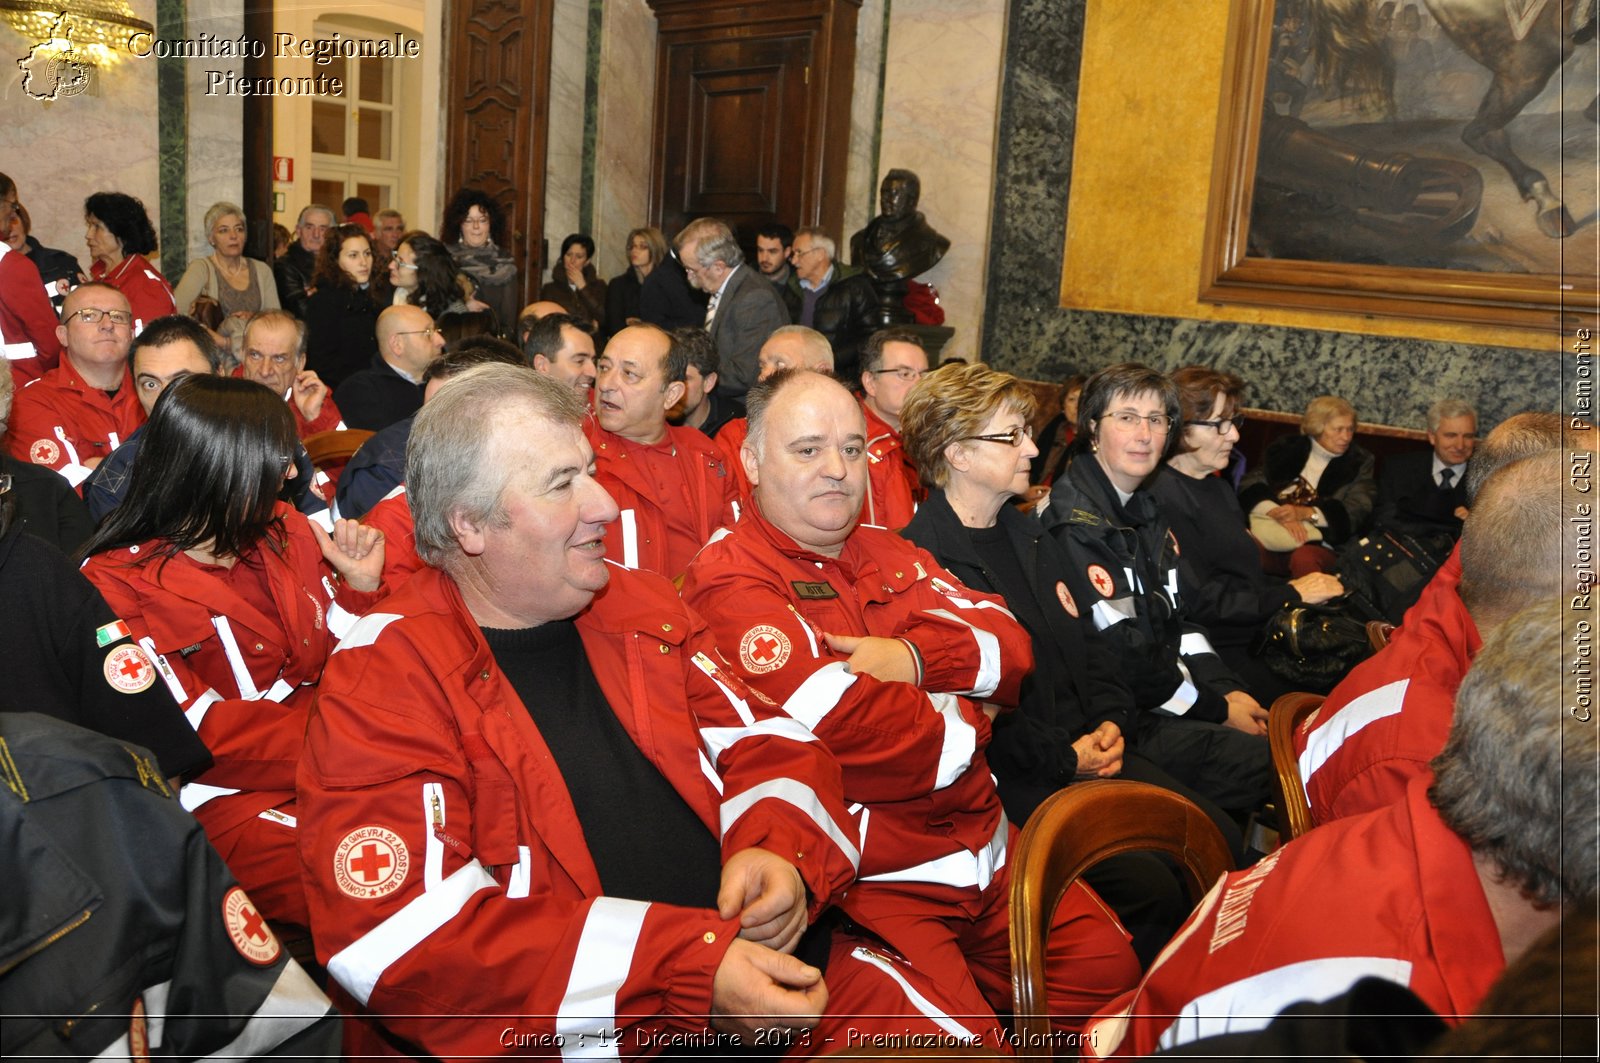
x: 846, y: 313
x: 293, y: 273
x: 1123, y: 572
x: 1219, y: 564
x: 54, y: 265
x: 1031, y: 753
x: 123, y: 933
x: 1411, y: 500
x: 667, y: 300
x: 341, y: 333
x: 377, y: 397
x: 1344, y: 494
x: 47, y: 506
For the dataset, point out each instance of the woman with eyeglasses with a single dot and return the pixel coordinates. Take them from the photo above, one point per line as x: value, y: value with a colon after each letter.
x: 646, y: 249
x: 237, y: 599
x: 1219, y: 568
x: 1194, y: 719
x: 966, y: 428
x: 475, y: 232
x: 342, y: 312
x: 119, y: 236
x: 422, y: 273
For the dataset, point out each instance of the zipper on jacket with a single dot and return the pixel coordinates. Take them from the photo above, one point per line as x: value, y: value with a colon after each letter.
x: 82, y: 917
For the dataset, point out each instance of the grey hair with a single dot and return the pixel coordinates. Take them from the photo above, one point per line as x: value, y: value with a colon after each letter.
x: 276, y: 316
x: 818, y: 350
x: 713, y: 240
x: 1519, y: 436
x: 820, y: 239
x: 1513, y: 541
x: 1445, y: 409
x: 450, y: 466
x: 221, y: 210
x: 761, y: 396
x: 333, y: 218
x: 1516, y: 779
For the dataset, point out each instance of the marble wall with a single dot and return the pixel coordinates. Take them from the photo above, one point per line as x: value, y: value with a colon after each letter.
x: 861, y: 174
x: 623, y: 129
x: 1391, y: 378
x: 59, y: 151
x: 569, y: 43
x: 215, y: 125
x: 941, y: 91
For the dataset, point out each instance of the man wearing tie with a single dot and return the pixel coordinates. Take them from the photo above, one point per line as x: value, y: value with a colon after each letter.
x: 1422, y: 493
x: 744, y: 309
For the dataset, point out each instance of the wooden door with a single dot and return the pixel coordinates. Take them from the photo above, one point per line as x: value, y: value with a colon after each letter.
x: 752, y: 112
x: 497, y: 96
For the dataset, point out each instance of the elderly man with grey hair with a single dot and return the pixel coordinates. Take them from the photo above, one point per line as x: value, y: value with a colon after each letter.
x: 834, y: 298
x: 744, y: 308
x: 1424, y: 493
x: 1437, y: 892
x: 293, y: 271
x: 534, y: 788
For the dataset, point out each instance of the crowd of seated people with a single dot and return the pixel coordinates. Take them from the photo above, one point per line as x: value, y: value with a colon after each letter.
x: 649, y: 678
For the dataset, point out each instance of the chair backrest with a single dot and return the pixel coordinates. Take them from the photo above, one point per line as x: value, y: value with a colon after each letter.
x: 1072, y: 831
x: 338, y: 445
x: 1378, y: 632
x: 1284, y: 719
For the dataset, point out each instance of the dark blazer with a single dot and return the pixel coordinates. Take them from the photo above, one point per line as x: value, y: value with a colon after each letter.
x: 47, y: 506
x: 749, y: 311
x: 667, y: 300
x: 622, y: 302
x: 377, y: 397
x: 1411, y: 500
x: 1031, y: 753
x: 846, y: 313
x: 341, y: 333
x: 1345, y: 494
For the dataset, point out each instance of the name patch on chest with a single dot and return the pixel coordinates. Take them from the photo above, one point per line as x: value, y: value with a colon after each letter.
x: 813, y: 591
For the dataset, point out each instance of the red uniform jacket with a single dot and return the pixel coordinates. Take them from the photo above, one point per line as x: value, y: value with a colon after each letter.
x: 730, y: 440
x: 27, y: 321
x: 392, y: 516
x: 446, y: 870
x: 1392, y: 893
x: 912, y: 755
x: 147, y: 291
x: 244, y: 678
x: 60, y: 421
x: 693, y: 484
x: 893, y: 487
x: 1391, y: 715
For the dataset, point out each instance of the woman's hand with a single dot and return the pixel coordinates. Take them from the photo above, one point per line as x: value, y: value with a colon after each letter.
x: 575, y: 277
x: 1293, y: 519
x: 1317, y: 587
x: 355, y: 551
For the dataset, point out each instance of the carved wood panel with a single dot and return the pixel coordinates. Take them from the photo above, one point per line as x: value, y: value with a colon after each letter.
x: 497, y: 96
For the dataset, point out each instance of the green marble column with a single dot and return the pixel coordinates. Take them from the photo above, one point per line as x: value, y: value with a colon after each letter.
x: 172, y: 110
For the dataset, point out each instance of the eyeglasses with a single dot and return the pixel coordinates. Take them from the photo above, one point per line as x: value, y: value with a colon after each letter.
x: 1221, y: 424
x: 92, y: 314
x: 797, y: 253
x: 478, y: 220
x: 400, y: 263
x: 1012, y: 438
x: 1127, y: 420
x: 285, y: 462
x: 904, y: 372
x: 421, y: 332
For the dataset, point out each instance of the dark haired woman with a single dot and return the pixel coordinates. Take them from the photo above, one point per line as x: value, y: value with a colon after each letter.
x: 119, y: 235
x: 341, y: 314
x: 1057, y: 435
x: 1194, y: 718
x: 423, y: 274
x: 238, y: 599
x: 574, y: 283
x: 475, y: 232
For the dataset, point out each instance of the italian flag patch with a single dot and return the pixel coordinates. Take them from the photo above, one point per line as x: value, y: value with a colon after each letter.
x: 109, y: 633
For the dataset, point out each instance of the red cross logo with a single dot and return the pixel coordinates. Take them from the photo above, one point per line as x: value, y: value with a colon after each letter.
x: 127, y: 669
x: 1101, y: 580
x: 371, y: 864
x: 255, y: 927
x: 44, y: 452
x: 764, y: 649
x: 131, y: 667
x: 247, y: 930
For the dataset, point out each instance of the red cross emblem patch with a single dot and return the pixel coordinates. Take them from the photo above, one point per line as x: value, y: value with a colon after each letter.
x: 764, y: 648
x: 1101, y: 580
x: 44, y: 452
x: 127, y: 669
x: 247, y: 930
x: 370, y: 862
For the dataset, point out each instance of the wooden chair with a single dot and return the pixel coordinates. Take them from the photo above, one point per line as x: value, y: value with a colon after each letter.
x: 1071, y: 832
x: 1378, y: 632
x: 1284, y: 719
x: 337, y: 445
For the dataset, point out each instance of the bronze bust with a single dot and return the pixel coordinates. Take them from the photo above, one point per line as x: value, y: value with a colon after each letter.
x: 897, y: 245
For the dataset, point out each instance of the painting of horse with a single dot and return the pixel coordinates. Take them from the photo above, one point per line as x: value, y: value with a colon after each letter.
x: 1443, y: 134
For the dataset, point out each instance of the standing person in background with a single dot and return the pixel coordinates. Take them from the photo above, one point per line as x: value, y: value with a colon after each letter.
x: 574, y: 283
x: 294, y: 269
x: 475, y: 232
x: 773, y: 244
x: 119, y: 235
x: 57, y: 269
x: 27, y: 322
x: 744, y: 308
x: 341, y: 314
x: 667, y: 299
x: 646, y: 250
x: 241, y: 286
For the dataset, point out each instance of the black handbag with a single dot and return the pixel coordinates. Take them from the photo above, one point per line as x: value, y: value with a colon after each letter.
x: 1313, y: 646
